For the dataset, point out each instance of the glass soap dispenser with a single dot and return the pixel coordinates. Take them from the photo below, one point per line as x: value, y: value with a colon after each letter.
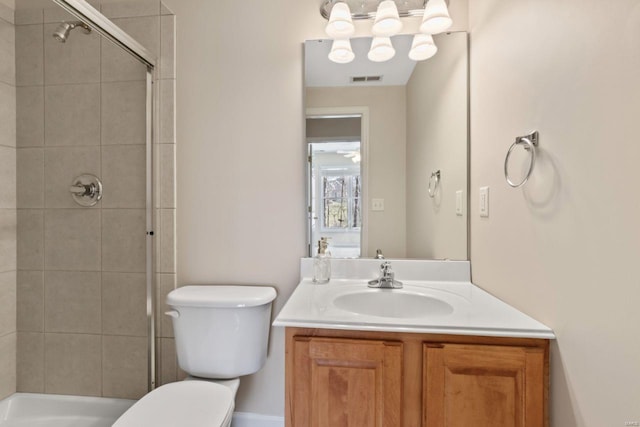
x: 322, y: 263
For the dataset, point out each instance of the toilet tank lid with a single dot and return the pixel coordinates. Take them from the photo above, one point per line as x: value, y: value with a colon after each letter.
x: 221, y: 296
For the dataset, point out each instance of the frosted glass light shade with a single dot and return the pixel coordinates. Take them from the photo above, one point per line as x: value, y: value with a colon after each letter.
x: 423, y: 47
x: 341, y: 52
x: 340, y: 24
x: 387, y: 21
x: 381, y: 49
x: 436, y: 18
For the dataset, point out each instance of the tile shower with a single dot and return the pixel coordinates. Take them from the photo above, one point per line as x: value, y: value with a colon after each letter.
x: 72, y: 279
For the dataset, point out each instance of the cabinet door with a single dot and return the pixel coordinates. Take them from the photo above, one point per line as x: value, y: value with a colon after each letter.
x: 340, y: 383
x: 483, y: 386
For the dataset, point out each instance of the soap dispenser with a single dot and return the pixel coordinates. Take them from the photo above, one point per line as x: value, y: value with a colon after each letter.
x: 322, y: 262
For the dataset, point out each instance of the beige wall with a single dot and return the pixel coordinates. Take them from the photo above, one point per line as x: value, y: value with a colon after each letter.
x: 242, y: 63
x: 7, y: 203
x: 386, y: 160
x: 565, y: 247
x: 437, y: 140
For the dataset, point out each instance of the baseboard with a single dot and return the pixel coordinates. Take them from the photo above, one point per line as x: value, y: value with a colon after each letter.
x: 247, y: 419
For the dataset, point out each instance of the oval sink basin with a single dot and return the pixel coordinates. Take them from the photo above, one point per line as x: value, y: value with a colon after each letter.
x: 393, y: 303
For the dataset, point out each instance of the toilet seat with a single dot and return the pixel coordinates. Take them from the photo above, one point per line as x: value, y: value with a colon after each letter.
x: 184, y: 404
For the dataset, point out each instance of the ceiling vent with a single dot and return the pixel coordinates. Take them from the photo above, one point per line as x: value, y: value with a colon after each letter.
x: 365, y: 79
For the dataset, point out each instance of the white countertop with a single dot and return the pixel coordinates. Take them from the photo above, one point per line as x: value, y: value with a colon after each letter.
x: 475, y: 312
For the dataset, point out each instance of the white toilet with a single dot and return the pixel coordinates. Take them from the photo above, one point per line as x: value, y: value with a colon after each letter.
x: 221, y: 333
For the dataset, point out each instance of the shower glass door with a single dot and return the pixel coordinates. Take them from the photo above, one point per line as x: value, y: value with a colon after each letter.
x: 85, y: 211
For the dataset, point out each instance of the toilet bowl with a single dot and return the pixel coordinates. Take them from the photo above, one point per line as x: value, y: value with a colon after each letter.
x: 221, y: 333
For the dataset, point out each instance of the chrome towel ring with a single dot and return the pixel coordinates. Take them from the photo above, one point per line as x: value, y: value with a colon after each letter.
x: 434, y: 180
x: 530, y: 143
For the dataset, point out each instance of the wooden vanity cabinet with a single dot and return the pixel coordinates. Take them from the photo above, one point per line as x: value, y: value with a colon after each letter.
x: 384, y: 379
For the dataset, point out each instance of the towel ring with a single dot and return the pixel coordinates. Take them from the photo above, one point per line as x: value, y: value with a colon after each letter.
x: 434, y: 180
x: 530, y: 143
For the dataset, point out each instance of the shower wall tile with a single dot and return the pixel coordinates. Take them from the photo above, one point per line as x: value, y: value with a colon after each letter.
x: 30, y: 239
x: 167, y: 111
x: 124, y: 240
x: 7, y: 14
x: 7, y: 52
x: 57, y: 14
x: 117, y: 64
x: 30, y: 301
x: 124, y: 174
x: 164, y: 10
x: 166, y: 283
x: 7, y: 302
x: 29, y: 55
x: 72, y: 115
x: 168, y: 361
x: 138, y: 8
x: 124, y: 113
x: 7, y: 177
x: 167, y: 175
x: 167, y: 236
x: 72, y: 302
x: 168, y: 47
x: 7, y: 240
x: 124, y: 301
x: 76, y: 61
x: 61, y: 166
x: 30, y: 178
x: 30, y: 116
x: 124, y: 367
x: 8, y: 347
x: 29, y: 16
x: 7, y: 115
x: 30, y: 363
x: 73, y: 364
x: 72, y: 239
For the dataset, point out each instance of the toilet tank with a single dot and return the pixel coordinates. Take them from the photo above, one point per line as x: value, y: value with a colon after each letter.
x: 221, y: 331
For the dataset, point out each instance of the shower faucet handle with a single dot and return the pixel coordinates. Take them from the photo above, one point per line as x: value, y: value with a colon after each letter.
x: 86, y: 190
x: 83, y: 190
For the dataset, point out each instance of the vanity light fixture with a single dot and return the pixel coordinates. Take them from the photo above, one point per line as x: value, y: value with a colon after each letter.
x: 387, y: 15
x: 381, y: 49
x: 436, y: 18
x: 387, y: 22
x: 340, y: 24
x: 423, y: 47
x: 341, y: 52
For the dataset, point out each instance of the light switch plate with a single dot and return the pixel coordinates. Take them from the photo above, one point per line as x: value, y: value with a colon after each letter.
x: 484, y: 202
x: 459, y: 203
x: 377, y: 205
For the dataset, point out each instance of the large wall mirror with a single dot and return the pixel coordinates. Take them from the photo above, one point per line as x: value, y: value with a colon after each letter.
x: 389, y: 151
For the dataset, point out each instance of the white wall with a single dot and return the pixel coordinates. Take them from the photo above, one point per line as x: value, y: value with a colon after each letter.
x: 241, y: 155
x: 386, y: 159
x: 565, y: 248
x: 437, y: 132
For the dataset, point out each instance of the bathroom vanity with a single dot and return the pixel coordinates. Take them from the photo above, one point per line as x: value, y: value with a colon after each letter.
x: 438, y: 352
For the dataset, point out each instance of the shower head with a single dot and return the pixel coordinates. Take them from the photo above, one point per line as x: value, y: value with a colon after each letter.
x: 61, y: 33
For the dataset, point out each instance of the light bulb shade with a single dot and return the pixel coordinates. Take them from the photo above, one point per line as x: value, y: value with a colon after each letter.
x: 423, y: 47
x: 340, y: 24
x: 341, y: 52
x: 381, y: 49
x: 387, y: 22
x: 436, y: 18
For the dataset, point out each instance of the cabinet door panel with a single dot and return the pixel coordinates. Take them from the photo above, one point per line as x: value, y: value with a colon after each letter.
x: 483, y: 386
x: 346, y: 383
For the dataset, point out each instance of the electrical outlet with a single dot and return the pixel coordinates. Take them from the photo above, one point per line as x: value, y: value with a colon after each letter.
x: 484, y: 202
x: 377, y: 205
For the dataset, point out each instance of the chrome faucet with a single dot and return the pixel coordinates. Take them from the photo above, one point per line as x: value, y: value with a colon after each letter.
x: 379, y: 254
x: 386, y: 279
